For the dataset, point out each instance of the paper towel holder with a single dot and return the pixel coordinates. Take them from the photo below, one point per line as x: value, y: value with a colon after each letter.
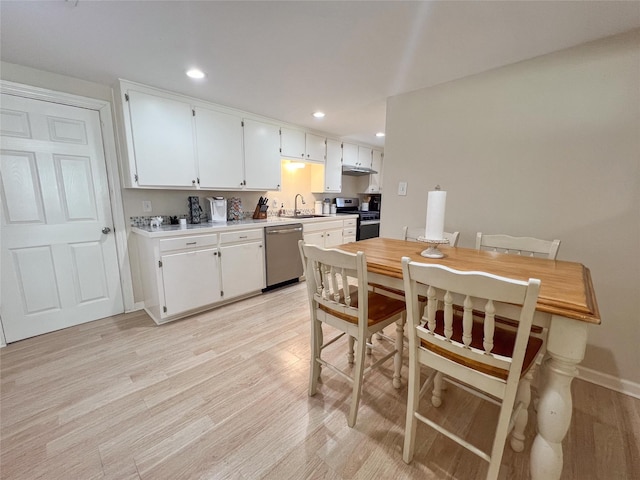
x: 432, y: 251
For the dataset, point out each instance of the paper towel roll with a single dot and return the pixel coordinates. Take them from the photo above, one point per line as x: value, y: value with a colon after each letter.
x: 435, y: 215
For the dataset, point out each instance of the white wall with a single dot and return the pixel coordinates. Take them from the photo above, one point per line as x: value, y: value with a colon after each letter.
x: 53, y: 81
x: 548, y: 148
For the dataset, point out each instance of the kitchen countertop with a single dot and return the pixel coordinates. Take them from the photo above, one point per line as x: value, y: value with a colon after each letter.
x: 171, y: 230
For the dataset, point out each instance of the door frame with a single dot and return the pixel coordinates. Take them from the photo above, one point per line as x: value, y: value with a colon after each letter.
x: 103, y: 108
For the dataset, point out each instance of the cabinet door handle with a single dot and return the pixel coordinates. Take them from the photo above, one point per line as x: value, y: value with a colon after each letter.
x: 243, y: 236
x: 192, y: 243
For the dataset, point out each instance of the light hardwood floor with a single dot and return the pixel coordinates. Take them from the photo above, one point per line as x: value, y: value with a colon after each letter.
x: 224, y: 395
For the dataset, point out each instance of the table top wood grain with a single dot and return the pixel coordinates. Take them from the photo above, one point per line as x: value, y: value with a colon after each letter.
x: 566, y: 288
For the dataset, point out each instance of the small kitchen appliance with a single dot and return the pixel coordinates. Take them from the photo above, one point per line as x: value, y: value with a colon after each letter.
x: 218, y: 208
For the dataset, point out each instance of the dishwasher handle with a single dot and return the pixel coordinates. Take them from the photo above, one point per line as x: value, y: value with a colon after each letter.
x: 284, y: 230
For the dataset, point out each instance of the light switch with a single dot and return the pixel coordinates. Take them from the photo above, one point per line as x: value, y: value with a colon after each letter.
x: 402, y: 188
x: 146, y: 205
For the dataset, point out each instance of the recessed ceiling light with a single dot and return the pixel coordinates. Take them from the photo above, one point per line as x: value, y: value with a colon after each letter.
x: 380, y: 134
x: 195, y: 73
x: 318, y: 114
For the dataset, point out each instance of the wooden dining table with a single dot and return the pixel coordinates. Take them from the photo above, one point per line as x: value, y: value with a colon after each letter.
x: 566, y: 306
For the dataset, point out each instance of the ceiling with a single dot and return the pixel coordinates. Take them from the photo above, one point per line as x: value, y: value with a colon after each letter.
x: 286, y: 60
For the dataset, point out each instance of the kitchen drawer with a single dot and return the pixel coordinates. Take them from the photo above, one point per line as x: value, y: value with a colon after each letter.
x: 241, y: 236
x: 193, y: 241
x: 320, y: 226
x: 351, y: 222
x: 349, y: 232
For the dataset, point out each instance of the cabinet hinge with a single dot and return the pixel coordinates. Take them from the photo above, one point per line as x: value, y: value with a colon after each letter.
x: 193, y: 111
x: 135, y: 177
x: 198, y: 178
x: 164, y: 309
x: 219, y: 254
x: 280, y: 150
x: 222, y: 293
x: 159, y: 263
x: 242, y: 123
x: 126, y: 97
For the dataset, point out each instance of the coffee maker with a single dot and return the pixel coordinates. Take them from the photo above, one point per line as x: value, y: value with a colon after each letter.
x: 218, y: 209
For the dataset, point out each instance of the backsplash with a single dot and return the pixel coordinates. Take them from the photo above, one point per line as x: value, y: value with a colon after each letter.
x: 145, y: 221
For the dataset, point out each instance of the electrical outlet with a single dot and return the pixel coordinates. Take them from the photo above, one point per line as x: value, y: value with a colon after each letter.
x: 402, y: 188
x: 146, y: 205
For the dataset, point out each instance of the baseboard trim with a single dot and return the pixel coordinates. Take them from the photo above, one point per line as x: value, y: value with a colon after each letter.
x: 136, y: 306
x: 609, y: 381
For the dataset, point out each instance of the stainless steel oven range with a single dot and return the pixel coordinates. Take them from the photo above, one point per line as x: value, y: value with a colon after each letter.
x: 368, y: 220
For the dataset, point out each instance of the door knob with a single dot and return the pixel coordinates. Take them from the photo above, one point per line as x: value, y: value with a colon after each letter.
x: 106, y: 230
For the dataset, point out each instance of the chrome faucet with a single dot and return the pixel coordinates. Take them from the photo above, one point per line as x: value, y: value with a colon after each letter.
x: 296, y: 212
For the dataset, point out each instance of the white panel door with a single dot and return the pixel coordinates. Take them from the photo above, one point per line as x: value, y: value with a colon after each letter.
x: 58, y: 268
x: 219, y: 149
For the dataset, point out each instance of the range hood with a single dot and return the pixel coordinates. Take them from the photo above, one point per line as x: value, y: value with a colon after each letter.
x: 356, y: 171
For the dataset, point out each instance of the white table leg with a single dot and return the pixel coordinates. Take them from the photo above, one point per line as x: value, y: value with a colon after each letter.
x: 565, y: 345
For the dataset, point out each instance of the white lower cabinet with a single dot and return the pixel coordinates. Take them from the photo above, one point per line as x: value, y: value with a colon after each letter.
x: 350, y: 230
x: 324, y: 234
x: 183, y: 274
x: 190, y: 279
x: 242, y: 263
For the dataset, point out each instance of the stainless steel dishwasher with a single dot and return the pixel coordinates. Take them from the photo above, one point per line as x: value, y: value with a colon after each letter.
x: 283, y: 261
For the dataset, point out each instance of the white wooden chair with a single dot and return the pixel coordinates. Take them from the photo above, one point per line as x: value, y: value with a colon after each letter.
x: 518, y: 245
x: 533, y: 247
x: 334, y: 279
x: 475, y: 354
x: 411, y: 234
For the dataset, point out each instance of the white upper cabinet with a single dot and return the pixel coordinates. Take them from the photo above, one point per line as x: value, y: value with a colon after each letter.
x: 292, y: 143
x: 219, y: 148
x: 174, y: 141
x: 315, y: 147
x: 364, y: 157
x: 333, y: 167
x: 261, y: 155
x: 300, y: 145
x: 375, y: 179
x: 327, y: 178
x: 163, y: 150
x: 349, y: 154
